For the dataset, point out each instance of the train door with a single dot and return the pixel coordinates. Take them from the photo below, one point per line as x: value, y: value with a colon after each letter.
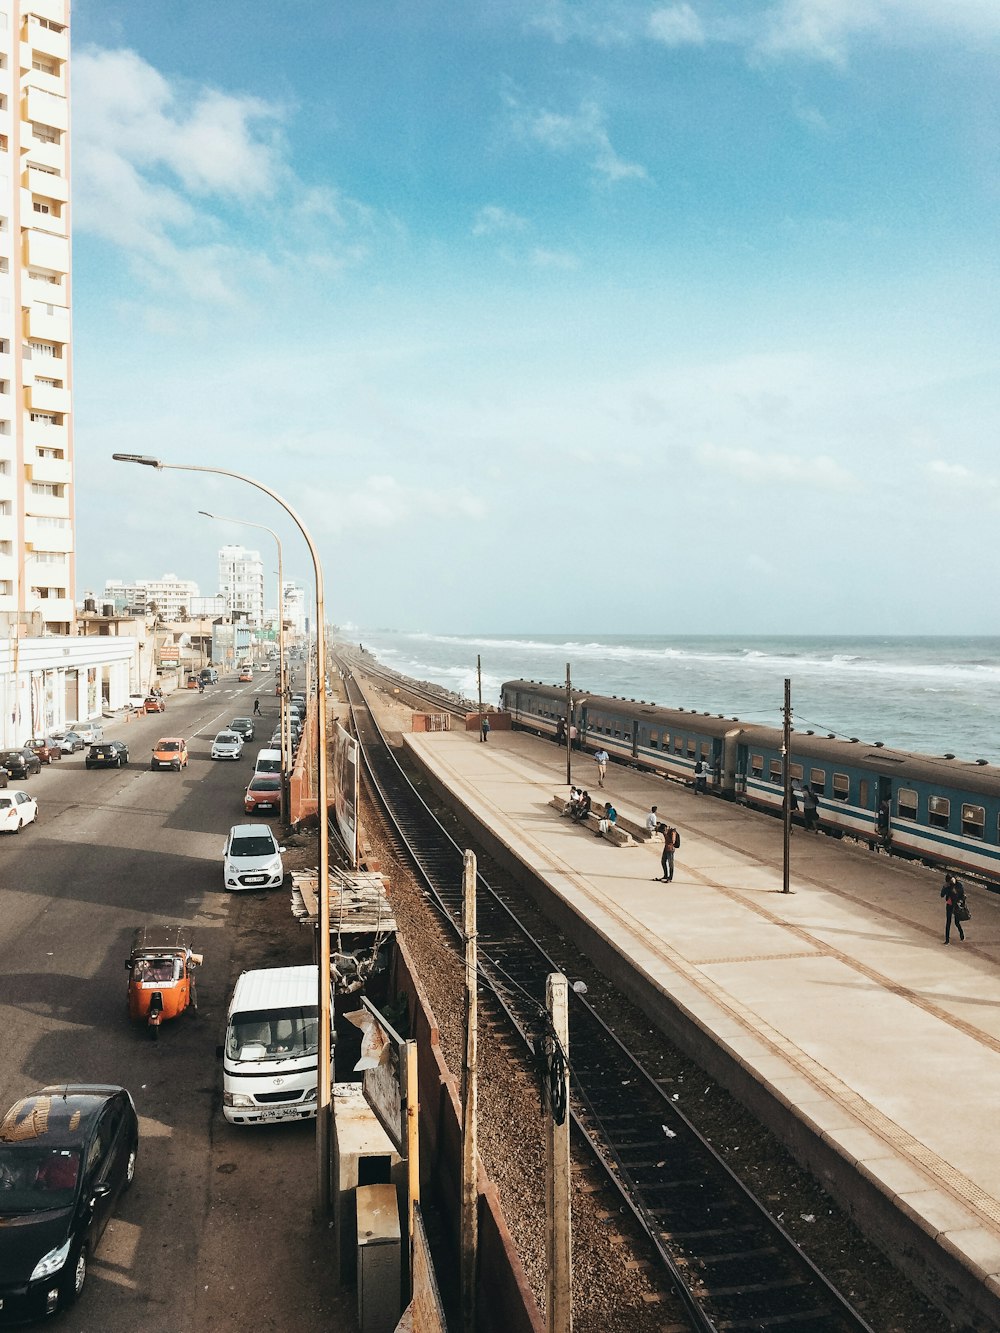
x: 883, y: 807
x: 740, y: 771
x: 580, y: 718
x: 733, y: 770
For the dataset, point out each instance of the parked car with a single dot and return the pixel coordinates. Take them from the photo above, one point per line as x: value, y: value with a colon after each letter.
x: 263, y: 795
x: 46, y: 749
x: 4, y: 777
x: 244, y: 725
x: 227, y: 745
x: 251, y: 858
x: 70, y: 742
x: 108, y: 754
x: 17, y: 808
x: 20, y: 764
x: 89, y: 732
x: 170, y: 752
x: 137, y: 702
x: 153, y: 703
x: 66, y: 1154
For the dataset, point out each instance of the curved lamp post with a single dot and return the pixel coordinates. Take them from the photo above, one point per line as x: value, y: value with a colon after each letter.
x: 324, y: 1070
x: 286, y: 747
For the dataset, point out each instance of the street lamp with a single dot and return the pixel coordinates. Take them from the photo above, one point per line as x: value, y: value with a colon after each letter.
x: 286, y: 747
x: 324, y: 1070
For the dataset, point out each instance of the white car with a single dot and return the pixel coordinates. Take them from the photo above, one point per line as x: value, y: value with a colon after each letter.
x: 89, y: 732
x: 17, y: 808
x: 252, y: 858
x: 227, y: 745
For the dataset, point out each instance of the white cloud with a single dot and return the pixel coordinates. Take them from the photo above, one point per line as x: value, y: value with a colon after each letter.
x: 799, y: 469
x: 583, y: 131
x: 558, y: 259
x: 492, y: 220
x: 677, y: 25
x: 383, y: 502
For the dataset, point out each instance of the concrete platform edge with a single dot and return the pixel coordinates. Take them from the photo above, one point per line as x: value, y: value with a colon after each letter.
x: 940, y: 1263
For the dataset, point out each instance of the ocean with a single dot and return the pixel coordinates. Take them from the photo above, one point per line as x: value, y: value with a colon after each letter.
x: 932, y: 695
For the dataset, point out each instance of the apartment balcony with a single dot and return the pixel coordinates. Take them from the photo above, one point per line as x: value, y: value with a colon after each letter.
x: 53, y: 84
x: 41, y: 537
x: 46, y: 398
x: 46, y: 506
x: 42, y: 250
x: 53, y: 609
x: 45, y: 183
x: 57, y: 470
x: 52, y: 222
x: 6, y: 366
x: 56, y: 11
x: 46, y: 107
x: 48, y: 323
x: 36, y: 291
x: 44, y: 42
x: 44, y: 435
x: 40, y: 151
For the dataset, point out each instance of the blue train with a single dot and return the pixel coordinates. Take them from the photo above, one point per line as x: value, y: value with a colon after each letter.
x: 942, y: 811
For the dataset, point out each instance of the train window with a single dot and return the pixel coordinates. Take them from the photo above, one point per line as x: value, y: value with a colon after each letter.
x: 863, y: 793
x: 938, y: 811
x: 776, y: 774
x: 692, y: 750
x: 841, y: 786
x: 706, y: 750
x: 678, y: 745
x: 906, y: 803
x: 756, y: 765
x: 817, y: 780
x: 973, y: 821
x: 796, y: 772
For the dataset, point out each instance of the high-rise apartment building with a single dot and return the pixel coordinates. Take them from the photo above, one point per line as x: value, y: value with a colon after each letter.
x: 241, y: 582
x: 36, y: 441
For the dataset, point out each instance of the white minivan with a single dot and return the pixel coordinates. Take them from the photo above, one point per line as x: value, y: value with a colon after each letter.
x: 269, y: 1060
x: 268, y: 761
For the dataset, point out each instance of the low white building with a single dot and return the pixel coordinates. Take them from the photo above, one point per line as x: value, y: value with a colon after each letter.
x: 47, y: 682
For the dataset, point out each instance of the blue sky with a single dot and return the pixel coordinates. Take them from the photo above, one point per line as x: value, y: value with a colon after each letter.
x: 548, y: 316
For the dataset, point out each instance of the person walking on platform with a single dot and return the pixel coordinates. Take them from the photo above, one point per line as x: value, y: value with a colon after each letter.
x: 810, y: 805
x: 652, y: 823
x: 671, y: 842
x: 700, y: 776
x: 485, y: 728
x: 574, y: 736
x: 561, y: 731
x: 956, y: 909
x: 601, y: 760
x: 608, y: 822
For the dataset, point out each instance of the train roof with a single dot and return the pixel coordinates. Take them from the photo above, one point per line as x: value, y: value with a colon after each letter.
x: 940, y: 770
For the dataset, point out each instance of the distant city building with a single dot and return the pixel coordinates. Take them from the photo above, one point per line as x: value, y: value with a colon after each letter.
x: 241, y: 582
x: 169, y: 595
x: 295, y: 610
x: 37, y: 568
x: 208, y: 607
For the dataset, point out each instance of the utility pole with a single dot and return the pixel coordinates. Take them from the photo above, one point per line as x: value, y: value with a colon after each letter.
x: 558, y: 1232
x: 479, y: 682
x: 786, y: 777
x: 470, y: 1104
x: 569, y: 723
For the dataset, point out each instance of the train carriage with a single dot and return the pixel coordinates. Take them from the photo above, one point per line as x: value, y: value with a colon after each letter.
x: 942, y: 811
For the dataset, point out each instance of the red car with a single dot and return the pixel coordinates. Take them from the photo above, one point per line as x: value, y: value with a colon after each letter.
x: 263, y: 795
x: 45, y: 749
x: 154, y: 704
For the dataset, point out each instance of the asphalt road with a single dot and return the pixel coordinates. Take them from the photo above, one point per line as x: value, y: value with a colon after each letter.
x: 217, y: 1232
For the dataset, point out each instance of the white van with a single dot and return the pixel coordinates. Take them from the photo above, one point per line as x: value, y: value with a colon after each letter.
x: 269, y: 1060
x: 268, y: 761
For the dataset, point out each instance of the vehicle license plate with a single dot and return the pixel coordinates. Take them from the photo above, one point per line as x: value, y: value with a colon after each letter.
x: 271, y: 1115
x: 254, y: 879
x: 265, y: 805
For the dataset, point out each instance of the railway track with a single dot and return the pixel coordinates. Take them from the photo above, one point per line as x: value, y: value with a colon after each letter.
x: 730, y: 1261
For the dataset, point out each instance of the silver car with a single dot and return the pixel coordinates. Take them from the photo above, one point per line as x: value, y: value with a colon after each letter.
x: 227, y: 745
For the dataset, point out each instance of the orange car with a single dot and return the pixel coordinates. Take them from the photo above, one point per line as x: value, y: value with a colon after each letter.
x: 170, y: 752
x: 154, y: 704
x: 246, y: 675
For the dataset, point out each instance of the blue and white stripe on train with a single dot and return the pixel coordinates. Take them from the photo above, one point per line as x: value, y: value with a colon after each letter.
x: 941, y: 810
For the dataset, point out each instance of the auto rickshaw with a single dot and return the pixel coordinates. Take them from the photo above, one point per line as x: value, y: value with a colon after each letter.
x: 161, y: 971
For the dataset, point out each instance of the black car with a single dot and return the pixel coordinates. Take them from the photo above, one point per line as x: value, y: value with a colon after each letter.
x: 107, y: 754
x: 20, y: 764
x: 243, y: 725
x: 66, y: 1153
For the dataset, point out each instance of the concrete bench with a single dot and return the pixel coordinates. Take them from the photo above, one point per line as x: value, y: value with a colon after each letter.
x: 616, y: 835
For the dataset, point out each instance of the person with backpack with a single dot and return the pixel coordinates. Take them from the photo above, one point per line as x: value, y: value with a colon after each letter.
x: 671, y: 843
x: 956, y: 908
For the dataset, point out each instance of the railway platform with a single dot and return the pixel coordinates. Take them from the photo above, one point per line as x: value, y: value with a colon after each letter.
x: 836, y: 1012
